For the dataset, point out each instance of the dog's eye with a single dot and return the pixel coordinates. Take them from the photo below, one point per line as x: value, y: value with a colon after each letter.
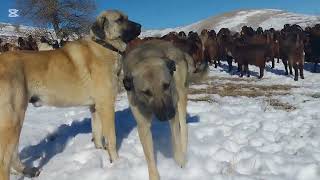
x: 165, y: 86
x: 147, y: 93
x: 120, y: 19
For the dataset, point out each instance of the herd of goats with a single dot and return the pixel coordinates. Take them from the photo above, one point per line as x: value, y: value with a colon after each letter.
x: 293, y: 45
x: 31, y: 44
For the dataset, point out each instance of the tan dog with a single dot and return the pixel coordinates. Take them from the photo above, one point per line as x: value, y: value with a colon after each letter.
x: 156, y: 77
x: 83, y: 73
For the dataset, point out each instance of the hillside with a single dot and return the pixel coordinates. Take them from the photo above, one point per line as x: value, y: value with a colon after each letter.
x: 265, y: 18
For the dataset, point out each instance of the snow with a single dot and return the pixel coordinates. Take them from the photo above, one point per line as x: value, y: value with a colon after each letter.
x: 16, y: 30
x: 240, y: 18
x: 230, y: 136
x: 10, y: 30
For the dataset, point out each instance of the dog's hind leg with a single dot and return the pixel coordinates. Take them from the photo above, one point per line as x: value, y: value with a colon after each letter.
x: 18, y: 166
x: 8, y: 142
x: 144, y: 124
x: 13, y: 104
x: 10, y: 127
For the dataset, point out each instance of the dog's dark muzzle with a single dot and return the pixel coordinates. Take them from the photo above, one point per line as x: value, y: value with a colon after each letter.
x: 133, y: 31
x: 164, y: 112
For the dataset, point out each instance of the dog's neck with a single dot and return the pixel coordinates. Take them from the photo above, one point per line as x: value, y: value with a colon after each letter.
x: 113, y: 45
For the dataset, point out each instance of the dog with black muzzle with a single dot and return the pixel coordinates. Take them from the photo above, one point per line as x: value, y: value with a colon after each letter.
x: 82, y: 73
x: 156, y: 77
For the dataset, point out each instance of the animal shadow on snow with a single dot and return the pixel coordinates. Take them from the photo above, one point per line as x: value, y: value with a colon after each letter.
x: 275, y: 70
x: 309, y: 66
x: 161, y: 133
x: 234, y: 70
x: 54, y: 143
x: 225, y: 68
x: 57, y: 141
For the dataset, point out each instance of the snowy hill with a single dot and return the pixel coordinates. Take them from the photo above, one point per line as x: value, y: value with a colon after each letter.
x: 265, y: 18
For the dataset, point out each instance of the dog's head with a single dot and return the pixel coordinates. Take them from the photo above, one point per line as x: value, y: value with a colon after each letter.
x: 153, y: 86
x: 114, y: 25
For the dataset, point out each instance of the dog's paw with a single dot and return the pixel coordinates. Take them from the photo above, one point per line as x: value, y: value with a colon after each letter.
x: 113, y: 156
x: 154, y: 175
x: 31, y: 172
x: 97, y: 144
x: 181, y: 161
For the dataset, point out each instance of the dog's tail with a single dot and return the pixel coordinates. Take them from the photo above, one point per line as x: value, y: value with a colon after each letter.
x: 199, y: 73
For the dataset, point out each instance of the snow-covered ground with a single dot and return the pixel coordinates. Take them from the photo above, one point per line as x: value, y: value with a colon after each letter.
x: 239, y: 129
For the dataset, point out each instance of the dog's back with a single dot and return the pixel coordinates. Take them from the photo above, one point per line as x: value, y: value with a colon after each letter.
x: 48, y: 71
x: 161, y: 48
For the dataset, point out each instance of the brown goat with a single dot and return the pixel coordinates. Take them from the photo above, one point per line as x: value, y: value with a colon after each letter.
x: 210, y: 47
x: 312, y: 46
x: 292, y: 51
x: 246, y: 54
x: 192, y: 45
x: 10, y: 47
x: 224, y: 41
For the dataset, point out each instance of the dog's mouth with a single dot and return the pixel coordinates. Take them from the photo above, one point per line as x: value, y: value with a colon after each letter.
x: 133, y: 31
x: 165, y: 116
x: 164, y: 113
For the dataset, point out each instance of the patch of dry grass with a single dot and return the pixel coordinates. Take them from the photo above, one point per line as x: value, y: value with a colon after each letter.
x: 206, y: 98
x: 225, y: 86
x: 215, y: 78
x: 315, y: 95
x: 277, y: 104
x: 248, y: 90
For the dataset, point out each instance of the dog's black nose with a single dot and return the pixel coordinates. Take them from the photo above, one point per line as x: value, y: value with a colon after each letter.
x: 138, y: 26
x: 165, y: 114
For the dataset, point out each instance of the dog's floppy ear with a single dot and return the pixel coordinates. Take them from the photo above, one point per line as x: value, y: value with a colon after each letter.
x: 171, y: 66
x: 128, y: 83
x: 98, y: 26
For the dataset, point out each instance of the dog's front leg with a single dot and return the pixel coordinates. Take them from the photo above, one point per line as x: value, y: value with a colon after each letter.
x: 96, y: 128
x: 179, y: 130
x: 176, y: 140
x: 144, y: 124
x: 106, y: 112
